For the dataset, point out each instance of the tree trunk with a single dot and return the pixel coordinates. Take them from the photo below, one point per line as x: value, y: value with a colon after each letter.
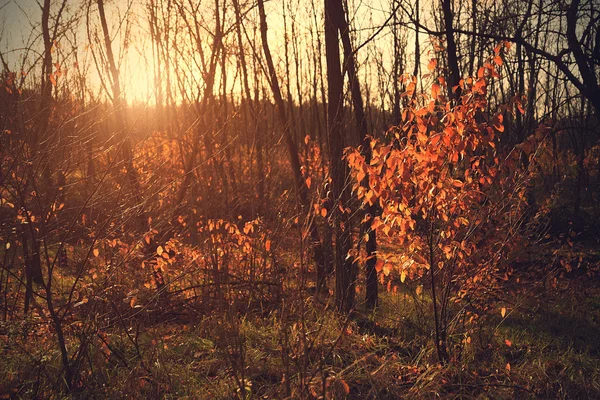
x: 361, y: 121
x: 253, y: 112
x: 453, y: 78
x: 345, y: 269
x: 117, y: 101
x: 301, y: 189
x: 590, y: 88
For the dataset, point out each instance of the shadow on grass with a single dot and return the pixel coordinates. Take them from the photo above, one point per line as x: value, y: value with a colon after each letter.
x: 562, y: 329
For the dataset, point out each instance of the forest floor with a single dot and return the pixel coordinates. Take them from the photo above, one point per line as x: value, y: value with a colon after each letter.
x: 542, y: 342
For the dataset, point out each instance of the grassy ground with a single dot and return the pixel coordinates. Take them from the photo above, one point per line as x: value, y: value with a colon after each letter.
x: 546, y: 345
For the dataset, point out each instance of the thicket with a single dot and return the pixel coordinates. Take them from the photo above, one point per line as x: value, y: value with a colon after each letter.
x: 320, y: 223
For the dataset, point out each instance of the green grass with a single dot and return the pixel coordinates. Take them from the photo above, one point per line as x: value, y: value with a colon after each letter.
x: 547, y: 347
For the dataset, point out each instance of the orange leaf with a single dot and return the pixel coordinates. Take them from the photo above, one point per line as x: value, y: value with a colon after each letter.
x: 435, y: 139
x: 376, y: 223
x: 419, y: 290
x: 379, y: 265
x: 447, y: 139
x: 481, y: 72
x: 410, y: 89
x: 503, y: 312
x: 308, y: 181
x: 323, y: 212
x: 345, y: 386
x: 508, y: 342
x: 96, y: 252
x: 387, y: 268
x: 497, y: 48
x: 435, y: 91
x: 360, y: 176
x: 268, y: 245
x: 432, y: 64
x: 159, y: 250
x: 454, y: 158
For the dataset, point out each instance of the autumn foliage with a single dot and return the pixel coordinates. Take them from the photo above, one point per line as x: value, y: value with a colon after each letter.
x: 449, y: 199
x: 255, y: 199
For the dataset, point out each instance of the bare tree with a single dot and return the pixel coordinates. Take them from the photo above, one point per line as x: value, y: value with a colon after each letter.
x: 301, y: 188
x: 345, y: 270
x: 118, y: 104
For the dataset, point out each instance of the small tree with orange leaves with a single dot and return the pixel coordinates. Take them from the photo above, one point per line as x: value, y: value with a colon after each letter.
x: 449, y: 200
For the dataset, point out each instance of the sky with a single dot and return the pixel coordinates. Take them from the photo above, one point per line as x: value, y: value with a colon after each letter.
x: 20, y: 28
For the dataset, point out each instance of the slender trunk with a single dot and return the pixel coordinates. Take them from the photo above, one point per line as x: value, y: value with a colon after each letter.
x: 590, y: 88
x: 361, y: 121
x: 298, y: 71
x: 201, y: 105
x: 46, y: 97
x: 344, y: 273
x: 440, y: 342
x: 117, y: 101
x: 417, y: 43
x: 250, y: 105
x: 474, y: 37
x: 288, y: 87
x: 301, y: 189
x: 453, y: 78
x: 520, y: 89
x: 396, y: 70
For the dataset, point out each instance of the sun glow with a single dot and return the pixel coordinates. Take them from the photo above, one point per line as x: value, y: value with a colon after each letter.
x: 170, y: 64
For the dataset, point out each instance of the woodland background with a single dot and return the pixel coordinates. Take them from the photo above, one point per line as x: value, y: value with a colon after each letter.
x: 299, y: 199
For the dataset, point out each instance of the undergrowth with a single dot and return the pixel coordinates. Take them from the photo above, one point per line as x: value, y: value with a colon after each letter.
x: 544, y: 345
